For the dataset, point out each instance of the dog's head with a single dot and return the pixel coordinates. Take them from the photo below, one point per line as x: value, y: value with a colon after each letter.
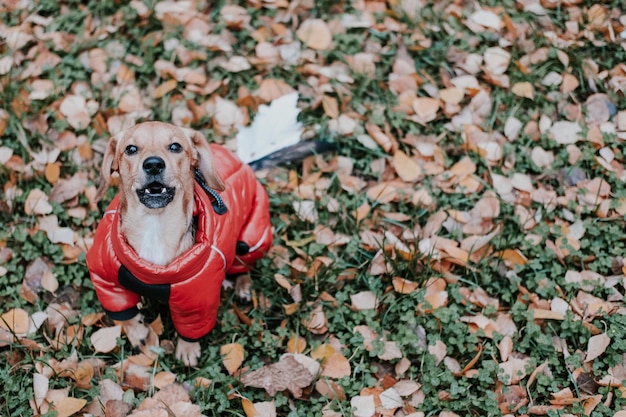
x: 155, y: 161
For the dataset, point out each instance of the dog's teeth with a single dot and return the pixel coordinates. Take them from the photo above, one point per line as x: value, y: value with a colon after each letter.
x: 146, y: 191
x: 163, y: 190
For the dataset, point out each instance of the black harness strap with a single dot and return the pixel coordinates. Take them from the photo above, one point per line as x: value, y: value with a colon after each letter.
x: 218, y: 204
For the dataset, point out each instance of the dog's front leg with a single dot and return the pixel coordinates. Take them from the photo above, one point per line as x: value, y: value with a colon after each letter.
x: 138, y: 333
x: 188, y: 352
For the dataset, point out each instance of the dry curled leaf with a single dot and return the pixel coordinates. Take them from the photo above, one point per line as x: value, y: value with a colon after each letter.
x: 286, y: 374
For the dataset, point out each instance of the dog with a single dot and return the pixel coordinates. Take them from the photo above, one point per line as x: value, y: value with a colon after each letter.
x: 187, y: 214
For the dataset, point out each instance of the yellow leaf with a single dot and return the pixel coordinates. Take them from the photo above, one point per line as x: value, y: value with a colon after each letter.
x: 323, y: 352
x: 16, y: 321
x: 248, y: 407
x: 406, y: 168
x: 315, y: 34
x: 233, y: 354
x: 523, y: 89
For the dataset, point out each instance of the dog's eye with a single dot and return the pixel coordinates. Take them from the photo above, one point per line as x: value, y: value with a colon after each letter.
x: 175, y: 147
x: 131, y: 150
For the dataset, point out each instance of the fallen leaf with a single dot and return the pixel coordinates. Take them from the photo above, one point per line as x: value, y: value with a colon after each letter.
x: 524, y: 89
x: 596, y: 346
x: 232, y: 356
x: 405, y: 167
x: 69, y: 406
x: 364, y: 300
x: 286, y: 374
x: 315, y: 34
x: 105, y: 340
x: 16, y: 321
x: 37, y: 203
x: 363, y: 406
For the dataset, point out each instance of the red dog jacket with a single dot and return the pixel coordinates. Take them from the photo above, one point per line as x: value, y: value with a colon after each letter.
x: 191, y: 284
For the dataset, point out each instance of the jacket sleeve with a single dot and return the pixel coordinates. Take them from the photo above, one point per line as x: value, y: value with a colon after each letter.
x: 256, y: 233
x: 194, y: 302
x: 118, y: 302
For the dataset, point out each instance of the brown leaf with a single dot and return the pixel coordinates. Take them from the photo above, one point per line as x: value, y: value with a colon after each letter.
x: 315, y: 34
x: 271, y: 89
x: 364, y: 300
x: 286, y: 374
x: 163, y: 379
x: 330, y: 105
x: 597, y: 346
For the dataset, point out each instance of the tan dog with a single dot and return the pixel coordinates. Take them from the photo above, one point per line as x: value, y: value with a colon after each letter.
x: 154, y: 165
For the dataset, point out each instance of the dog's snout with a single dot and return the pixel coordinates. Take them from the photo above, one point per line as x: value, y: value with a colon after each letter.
x: 153, y: 165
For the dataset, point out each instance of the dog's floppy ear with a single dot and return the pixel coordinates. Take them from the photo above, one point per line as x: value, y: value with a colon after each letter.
x: 203, y: 159
x: 109, y: 166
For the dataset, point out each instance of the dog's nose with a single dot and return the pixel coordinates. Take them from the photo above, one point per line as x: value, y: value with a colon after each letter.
x: 153, y: 165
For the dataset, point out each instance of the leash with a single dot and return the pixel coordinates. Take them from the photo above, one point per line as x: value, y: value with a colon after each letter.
x: 218, y: 204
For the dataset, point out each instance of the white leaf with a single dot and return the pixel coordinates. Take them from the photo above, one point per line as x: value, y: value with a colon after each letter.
x: 274, y: 127
x: 105, y: 339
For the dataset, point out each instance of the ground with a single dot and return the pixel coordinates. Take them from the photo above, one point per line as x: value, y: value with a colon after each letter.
x: 459, y: 252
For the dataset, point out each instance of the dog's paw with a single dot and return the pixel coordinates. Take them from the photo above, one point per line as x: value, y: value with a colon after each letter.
x: 136, y: 330
x: 188, y: 352
x: 243, y: 287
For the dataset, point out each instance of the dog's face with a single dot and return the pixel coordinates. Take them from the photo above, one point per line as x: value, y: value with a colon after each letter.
x: 156, y: 163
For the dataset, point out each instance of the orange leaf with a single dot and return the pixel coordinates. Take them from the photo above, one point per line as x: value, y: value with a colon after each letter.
x: 52, y: 172
x: 296, y: 344
x: 165, y: 88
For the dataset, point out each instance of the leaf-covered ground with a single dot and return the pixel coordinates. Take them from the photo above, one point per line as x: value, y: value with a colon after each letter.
x: 460, y: 253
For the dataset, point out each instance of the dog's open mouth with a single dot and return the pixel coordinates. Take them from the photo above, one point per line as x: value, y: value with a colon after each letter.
x: 156, y: 195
